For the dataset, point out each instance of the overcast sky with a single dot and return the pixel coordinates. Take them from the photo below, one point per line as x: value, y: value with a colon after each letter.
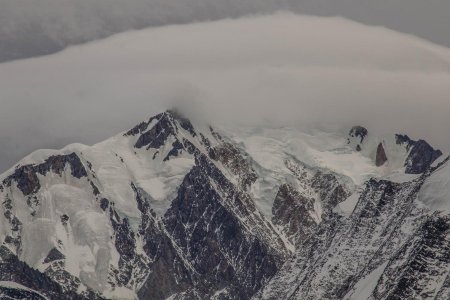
x: 281, y: 68
x: 29, y: 28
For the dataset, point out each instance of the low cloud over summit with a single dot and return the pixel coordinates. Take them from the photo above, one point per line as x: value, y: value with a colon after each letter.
x: 283, y: 69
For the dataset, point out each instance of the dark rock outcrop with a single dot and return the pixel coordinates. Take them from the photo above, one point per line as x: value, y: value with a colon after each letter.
x: 158, y: 134
x: 325, y: 184
x: 53, y: 255
x: 381, y: 157
x: 169, y: 274
x: 131, y: 264
x: 420, y: 154
x: 359, y: 132
x: 418, y: 267
x: 236, y: 162
x: 330, y: 191
x: 166, y: 125
x: 12, y: 293
x: 57, y: 164
x: 104, y: 204
x: 12, y: 269
x: 292, y: 211
x: 216, y: 243
x: 175, y: 151
x: 28, y: 181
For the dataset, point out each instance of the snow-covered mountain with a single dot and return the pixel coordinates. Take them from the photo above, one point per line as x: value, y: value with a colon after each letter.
x: 177, y: 209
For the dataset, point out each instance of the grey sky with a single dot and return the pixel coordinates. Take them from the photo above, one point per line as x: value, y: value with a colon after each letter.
x: 281, y: 69
x: 29, y: 28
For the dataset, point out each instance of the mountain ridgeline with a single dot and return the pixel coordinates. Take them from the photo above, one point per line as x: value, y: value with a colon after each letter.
x: 172, y: 209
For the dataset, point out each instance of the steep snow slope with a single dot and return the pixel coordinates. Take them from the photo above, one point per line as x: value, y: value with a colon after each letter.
x: 84, y: 207
x: 435, y: 192
x: 176, y: 208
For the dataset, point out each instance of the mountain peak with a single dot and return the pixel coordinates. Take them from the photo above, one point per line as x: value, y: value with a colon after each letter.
x: 357, y: 134
x: 420, y: 154
x: 155, y: 132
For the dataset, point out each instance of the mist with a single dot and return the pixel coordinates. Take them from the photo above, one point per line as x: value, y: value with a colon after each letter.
x: 38, y: 27
x: 275, y: 70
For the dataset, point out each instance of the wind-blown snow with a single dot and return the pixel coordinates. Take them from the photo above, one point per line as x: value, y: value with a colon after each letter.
x: 435, y: 192
x: 123, y: 164
x: 270, y: 147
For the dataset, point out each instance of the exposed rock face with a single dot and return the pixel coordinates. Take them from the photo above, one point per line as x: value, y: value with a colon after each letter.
x: 14, y: 270
x: 166, y: 125
x: 356, y: 137
x: 203, y: 241
x: 421, y: 155
x: 387, y: 231
x: 359, y: 132
x: 407, y: 276
x: 158, y: 134
x: 54, y: 255
x: 298, y: 210
x: 26, y: 176
x: 215, y: 242
x: 19, y: 293
x: 293, y: 211
x: 231, y: 157
x: 169, y: 275
x: 330, y: 191
x: 381, y: 157
x: 319, y: 184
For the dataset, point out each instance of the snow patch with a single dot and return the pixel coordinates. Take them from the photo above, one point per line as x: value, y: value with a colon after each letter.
x: 364, y: 288
x: 346, y: 207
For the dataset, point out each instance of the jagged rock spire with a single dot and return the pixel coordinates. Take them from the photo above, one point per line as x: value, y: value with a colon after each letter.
x: 381, y: 157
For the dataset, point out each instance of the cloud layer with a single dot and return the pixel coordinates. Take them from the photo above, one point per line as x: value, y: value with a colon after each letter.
x: 282, y: 69
x: 30, y: 28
